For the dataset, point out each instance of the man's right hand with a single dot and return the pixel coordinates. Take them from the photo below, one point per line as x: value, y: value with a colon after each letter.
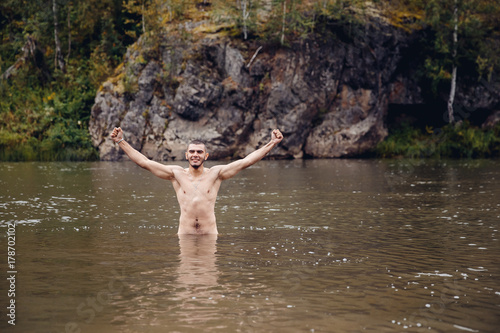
x: 117, y: 134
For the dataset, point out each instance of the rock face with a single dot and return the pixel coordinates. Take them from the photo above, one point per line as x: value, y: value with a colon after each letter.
x: 328, y: 94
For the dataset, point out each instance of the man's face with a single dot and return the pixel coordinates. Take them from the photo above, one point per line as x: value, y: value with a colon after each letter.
x: 196, y: 155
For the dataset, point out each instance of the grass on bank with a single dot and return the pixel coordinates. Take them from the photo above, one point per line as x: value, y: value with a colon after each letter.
x: 461, y: 140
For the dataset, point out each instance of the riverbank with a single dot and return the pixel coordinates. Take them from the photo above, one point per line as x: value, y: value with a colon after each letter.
x: 461, y: 140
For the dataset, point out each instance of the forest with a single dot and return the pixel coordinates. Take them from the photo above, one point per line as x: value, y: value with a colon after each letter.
x: 55, y: 55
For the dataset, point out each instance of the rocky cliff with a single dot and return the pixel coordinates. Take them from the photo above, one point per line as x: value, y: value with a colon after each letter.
x: 328, y: 94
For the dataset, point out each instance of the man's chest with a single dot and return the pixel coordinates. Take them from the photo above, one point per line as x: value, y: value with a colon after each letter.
x: 207, y: 185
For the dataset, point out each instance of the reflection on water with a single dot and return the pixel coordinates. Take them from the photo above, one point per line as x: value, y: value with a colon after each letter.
x: 305, y: 246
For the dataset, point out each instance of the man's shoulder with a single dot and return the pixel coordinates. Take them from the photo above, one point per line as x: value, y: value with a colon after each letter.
x: 176, y: 169
x: 216, y: 169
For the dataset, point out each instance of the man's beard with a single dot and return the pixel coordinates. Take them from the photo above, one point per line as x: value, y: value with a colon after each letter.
x: 194, y: 166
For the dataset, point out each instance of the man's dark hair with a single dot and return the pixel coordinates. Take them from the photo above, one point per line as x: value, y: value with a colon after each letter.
x: 198, y: 142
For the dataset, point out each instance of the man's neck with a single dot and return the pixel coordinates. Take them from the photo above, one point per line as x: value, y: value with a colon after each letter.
x: 196, y: 171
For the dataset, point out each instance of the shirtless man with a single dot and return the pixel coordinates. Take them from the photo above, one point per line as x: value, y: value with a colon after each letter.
x: 196, y: 187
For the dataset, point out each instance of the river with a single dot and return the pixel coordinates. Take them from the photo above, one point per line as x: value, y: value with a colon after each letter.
x: 304, y: 246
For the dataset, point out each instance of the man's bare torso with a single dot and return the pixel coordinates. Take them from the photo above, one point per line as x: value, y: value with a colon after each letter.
x: 197, y: 196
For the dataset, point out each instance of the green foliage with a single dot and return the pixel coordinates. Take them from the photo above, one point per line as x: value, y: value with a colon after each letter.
x: 44, y: 113
x: 282, y: 20
x: 465, y: 141
x: 49, y: 123
x: 476, y: 52
x: 455, y: 141
x: 239, y: 18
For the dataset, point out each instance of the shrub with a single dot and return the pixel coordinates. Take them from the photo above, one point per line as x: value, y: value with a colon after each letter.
x: 455, y: 141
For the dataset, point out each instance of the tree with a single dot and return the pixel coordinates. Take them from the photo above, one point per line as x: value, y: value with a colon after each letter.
x: 287, y: 18
x: 58, y: 57
x: 45, y: 105
x: 460, y: 29
x: 245, y: 14
x: 154, y: 14
x: 453, y: 87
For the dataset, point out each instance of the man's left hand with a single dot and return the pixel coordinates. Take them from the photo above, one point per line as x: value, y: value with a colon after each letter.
x: 276, y: 136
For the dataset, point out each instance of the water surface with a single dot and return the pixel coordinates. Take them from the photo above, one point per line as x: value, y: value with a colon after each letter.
x: 304, y: 246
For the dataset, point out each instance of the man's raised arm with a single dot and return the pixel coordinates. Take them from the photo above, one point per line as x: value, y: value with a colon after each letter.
x: 158, y: 169
x: 231, y: 169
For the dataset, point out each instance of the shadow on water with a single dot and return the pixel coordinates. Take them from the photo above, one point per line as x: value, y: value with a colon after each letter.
x: 379, y: 245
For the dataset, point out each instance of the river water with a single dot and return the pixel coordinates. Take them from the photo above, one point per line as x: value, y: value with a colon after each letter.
x: 304, y: 246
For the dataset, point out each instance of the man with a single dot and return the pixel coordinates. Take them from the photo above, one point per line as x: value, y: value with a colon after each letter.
x: 196, y: 186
